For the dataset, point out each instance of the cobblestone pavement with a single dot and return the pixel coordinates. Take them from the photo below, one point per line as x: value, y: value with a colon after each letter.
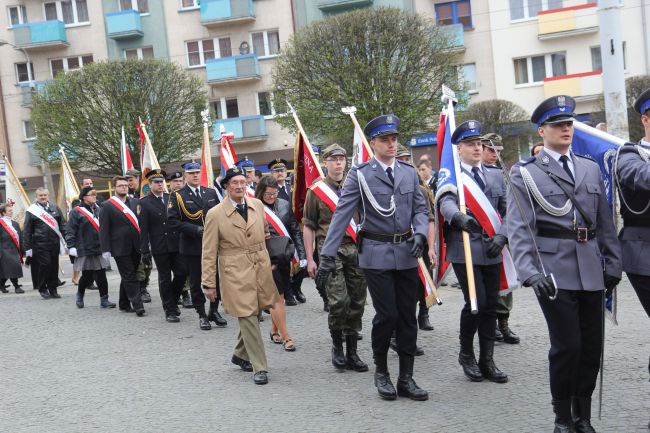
x: 69, y: 370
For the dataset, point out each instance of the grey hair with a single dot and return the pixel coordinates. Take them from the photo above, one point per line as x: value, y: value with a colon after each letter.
x: 41, y: 189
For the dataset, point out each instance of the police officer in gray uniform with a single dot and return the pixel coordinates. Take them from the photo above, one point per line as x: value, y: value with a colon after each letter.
x: 394, y: 219
x: 486, y: 255
x: 560, y: 228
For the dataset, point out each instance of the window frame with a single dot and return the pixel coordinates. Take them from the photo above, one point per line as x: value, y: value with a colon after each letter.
x: 30, y: 72
x: 461, y: 73
x: 135, y: 5
x: 215, y: 46
x: 548, y: 68
x: 189, y: 8
x: 454, y: 12
x: 265, y: 38
x: 59, y: 13
x: 25, y: 137
x: 139, y: 52
x: 22, y: 15
x: 222, y: 100
x: 66, y: 68
x: 527, y: 17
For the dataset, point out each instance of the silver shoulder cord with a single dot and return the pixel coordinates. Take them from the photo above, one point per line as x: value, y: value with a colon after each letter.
x: 645, y: 157
x: 532, y: 189
x: 365, y: 189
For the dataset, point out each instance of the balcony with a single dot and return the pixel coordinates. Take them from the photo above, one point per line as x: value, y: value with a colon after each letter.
x: 124, y: 25
x: 456, y: 35
x: 568, y: 21
x: 219, y: 12
x: 229, y: 69
x: 583, y: 87
x: 334, y: 6
x: 27, y: 91
x: 249, y: 128
x: 46, y: 34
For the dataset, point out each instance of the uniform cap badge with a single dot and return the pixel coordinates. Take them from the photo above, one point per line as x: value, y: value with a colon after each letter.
x: 471, y: 124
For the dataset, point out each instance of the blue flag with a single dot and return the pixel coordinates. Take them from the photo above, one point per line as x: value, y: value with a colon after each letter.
x: 446, y: 175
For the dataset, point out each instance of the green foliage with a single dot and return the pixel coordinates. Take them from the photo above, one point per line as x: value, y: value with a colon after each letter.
x: 380, y: 60
x: 84, y: 111
x: 634, y: 86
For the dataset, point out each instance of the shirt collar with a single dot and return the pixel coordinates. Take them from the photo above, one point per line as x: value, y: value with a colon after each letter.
x: 645, y: 144
x: 384, y: 166
x: 556, y: 155
x: 469, y: 167
x: 234, y: 203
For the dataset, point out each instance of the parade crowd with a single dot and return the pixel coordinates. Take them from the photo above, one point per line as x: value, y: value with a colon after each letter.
x: 239, y: 245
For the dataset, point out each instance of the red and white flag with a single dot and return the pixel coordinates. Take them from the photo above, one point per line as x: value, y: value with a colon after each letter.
x: 306, y: 171
x: 362, y: 152
x: 207, y: 174
x: 125, y: 155
x: 148, y: 159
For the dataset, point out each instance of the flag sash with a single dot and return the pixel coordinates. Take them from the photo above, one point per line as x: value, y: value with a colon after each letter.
x: 46, y: 218
x: 331, y: 200
x: 128, y: 213
x: 89, y: 216
x: 13, y: 235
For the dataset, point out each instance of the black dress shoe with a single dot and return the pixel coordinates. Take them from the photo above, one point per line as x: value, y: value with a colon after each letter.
x: 127, y: 310
x: 261, y: 378
x: 4, y: 289
x: 204, y: 324
x: 290, y: 300
x: 419, y: 351
x: 139, y: 311
x: 470, y: 367
x: 60, y: 283
x: 384, y: 386
x: 214, y: 316
x: 424, y: 323
x: 300, y: 297
x: 45, y: 294
x: 19, y: 290
x: 54, y: 295
x: 172, y: 318
x: 406, y: 387
x: 187, y: 301
x: 242, y: 363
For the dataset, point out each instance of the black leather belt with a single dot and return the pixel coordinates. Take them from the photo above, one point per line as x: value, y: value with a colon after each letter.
x: 383, y: 237
x: 580, y: 234
x: 636, y: 222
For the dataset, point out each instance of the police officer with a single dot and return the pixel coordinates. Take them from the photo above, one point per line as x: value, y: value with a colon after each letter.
x: 248, y: 166
x: 346, y: 290
x: 492, y: 146
x: 392, y: 236
x: 161, y: 241
x: 486, y: 255
x: 176, y: 183
x: 564, y: 208
x: 186, y: 214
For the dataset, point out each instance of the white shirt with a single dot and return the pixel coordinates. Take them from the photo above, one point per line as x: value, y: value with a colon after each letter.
x: 469, y: 168
x: 644, y: 143
x: 556, y: 156
x: 234, y: 203
x: 384, y: 166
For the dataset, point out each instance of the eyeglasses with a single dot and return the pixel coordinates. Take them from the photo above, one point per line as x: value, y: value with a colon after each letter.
x: 237, y: 182
x: 270, y: 194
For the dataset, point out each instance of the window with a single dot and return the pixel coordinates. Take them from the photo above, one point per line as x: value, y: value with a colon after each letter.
x: 68, y: 11
x: 226, y: 108
x: 266, y: 43
x: 535, y: 69
x: 69, y: 64
x: 141, y: 6
x: 28, y: 130
x: 139, y: 53
x: 457, y: 12
x: 523, y: 9
x: 264, y: 103
x: 597, y: 61
x: 24, y: 72
x: 17, y: 15
x: 468, y: 77
x: 187, y: 4
x: 200, y: 51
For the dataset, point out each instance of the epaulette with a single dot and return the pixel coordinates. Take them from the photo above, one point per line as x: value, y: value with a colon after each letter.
x: 529, y: 160
x: 586, y: 157
x: 405, y: 163
x: 356, y: 167
x: 496, y: 167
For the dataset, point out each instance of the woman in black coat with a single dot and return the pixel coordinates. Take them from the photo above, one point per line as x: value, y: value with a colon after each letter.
x: 82, y: 237
x: 11, y: 249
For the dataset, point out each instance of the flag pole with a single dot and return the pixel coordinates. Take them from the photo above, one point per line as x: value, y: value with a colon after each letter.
x: 152, y: 155
x: 351, y: 112
x: 18, y: 184
x: 449, y: 97
x: 304, y: 136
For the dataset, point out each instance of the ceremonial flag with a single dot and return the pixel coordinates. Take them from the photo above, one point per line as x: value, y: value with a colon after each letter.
x: 125, y: 155
x: 441, y: 247
x: 307, y: 171
x: 207, y: 175
x: 477, y: 202
x: 148, y: 160
x: 68, y: 188
x: 15, y: 193
x: 362, y: 152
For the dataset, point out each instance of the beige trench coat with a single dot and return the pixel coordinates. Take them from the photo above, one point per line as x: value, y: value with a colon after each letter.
x: 237, y: 250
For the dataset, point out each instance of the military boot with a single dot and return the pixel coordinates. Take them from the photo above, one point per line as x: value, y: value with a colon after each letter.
x: 581, y: 414
x: 353, y: 362
x: 383, y: 383
x: 79, y: 299
x: 105, y: 303
x: 486, y: 363
x: 406, y: 386
x: 467, y: 360
x: 507, y: 335
x: 338, y: 357
x: 563, y: 421
x: 214, y: 316
x: 423, y: 320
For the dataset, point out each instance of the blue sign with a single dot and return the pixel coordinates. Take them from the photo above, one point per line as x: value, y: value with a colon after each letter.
x: 424, y: 140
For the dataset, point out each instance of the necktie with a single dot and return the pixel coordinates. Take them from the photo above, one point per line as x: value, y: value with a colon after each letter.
x: 241, y: 209
x: 162, y: 199
x: 389, y: 173
x: 565, y: 165
x: 477, y: 178
x: 198, y: 192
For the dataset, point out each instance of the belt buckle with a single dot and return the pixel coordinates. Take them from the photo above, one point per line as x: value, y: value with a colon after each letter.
x: 397, y: 238
x: 583, y: 234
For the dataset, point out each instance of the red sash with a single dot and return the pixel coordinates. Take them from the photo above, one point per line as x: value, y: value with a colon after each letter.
x: 329, y: 197
x: 12, y: 235
x: 89, y: 216
x: 128, y: 213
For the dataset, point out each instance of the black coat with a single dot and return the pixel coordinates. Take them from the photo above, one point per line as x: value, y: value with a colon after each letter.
x: 186, y: 214
x: 80, y: 233
x: 282, y: 209
x: 38, y: 235
x: 154, y: 227
x: 10, y: 263
x: 117, y: 234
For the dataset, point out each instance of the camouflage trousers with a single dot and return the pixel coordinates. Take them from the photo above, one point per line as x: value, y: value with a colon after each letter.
x: 143, y: 272
x: 504, y: 305
x: 346, y: 291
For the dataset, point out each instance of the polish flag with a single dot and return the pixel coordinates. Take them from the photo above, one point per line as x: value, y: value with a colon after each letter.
x: 125, y: 155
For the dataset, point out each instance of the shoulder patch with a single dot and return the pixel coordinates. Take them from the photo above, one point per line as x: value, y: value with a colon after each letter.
x: 356, y: 167
x: 529, y: 160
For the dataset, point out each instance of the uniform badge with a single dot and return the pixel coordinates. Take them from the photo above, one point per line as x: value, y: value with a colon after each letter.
x: 169, y: 204
x: 138, y: 209
x: 471, y: 124
x: 389, y: 119
x: 561, y: 101
x: 545, y: 160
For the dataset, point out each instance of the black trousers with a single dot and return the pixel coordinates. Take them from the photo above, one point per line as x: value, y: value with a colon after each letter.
x: 87, y: 277
x: 170, y: 289
x: 641, y: 284
x: 129, y: 286
x: 574, y: 320
x: 296, y: 281
x: 487, y: 280
x: 194, y: 272
x: 45, y: 268
x: 394, y: 295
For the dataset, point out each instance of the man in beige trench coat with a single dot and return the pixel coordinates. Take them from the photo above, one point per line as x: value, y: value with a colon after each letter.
x: 234, y: 246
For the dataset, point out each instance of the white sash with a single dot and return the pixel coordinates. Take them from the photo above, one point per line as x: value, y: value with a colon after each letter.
x: 128, y: 213
x: 43, y: 215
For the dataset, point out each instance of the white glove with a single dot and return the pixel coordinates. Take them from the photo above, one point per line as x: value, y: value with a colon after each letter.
x: 28, y: 253
x: 72, y: 252
x: 303, y: 263
x: 106, y: 255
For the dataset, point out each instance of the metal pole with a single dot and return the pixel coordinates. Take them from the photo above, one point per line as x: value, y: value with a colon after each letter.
x: 611, y: 53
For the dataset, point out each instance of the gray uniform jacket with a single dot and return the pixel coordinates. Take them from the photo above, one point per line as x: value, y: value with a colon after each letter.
x: 575, y: 265
x: 633, y: 176
x: 495, y: 190
x: 411, y: 211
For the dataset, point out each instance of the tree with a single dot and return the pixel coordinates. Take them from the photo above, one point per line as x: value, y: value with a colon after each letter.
x: 380, y: 60
x: 506, y: 119
x: 84, y: 111
x: 634, y: 86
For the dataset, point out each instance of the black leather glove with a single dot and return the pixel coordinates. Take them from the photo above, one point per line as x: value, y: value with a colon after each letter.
x: 146, y: 259
x: 541, y: 285
x: 418, y: 240
x: 465, y: 222
x: 326, y: 268
x: 610, y: 284
x: 199, y: 231
x: 494, y: 245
